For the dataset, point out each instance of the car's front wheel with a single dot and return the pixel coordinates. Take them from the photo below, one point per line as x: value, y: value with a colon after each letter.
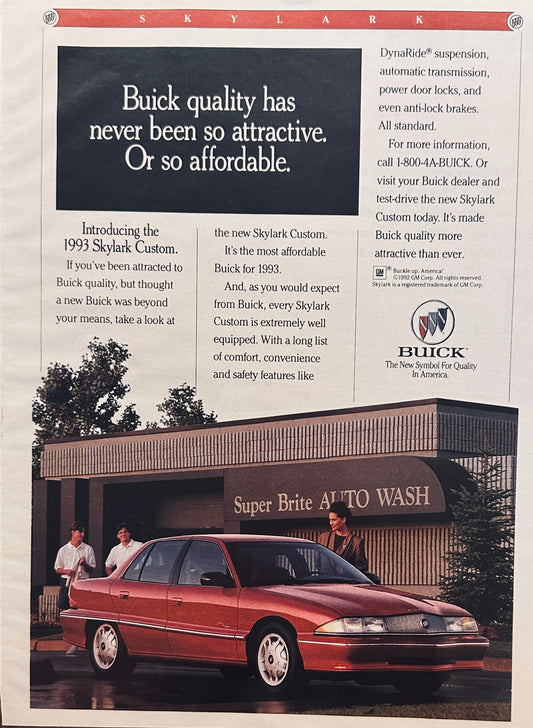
x: 108, y: 652
x: 419, y: 686
x: 278, y: 664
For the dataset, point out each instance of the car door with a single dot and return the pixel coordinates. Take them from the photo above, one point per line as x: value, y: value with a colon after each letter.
x: 141, y: 598
x: 202, y: 619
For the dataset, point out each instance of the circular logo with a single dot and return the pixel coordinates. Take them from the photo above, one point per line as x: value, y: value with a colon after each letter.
x: 433, y: 322
x: 51, y: 17
x: 515, y: 21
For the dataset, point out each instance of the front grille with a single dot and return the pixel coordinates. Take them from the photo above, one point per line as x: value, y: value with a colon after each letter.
x: 418, y: 623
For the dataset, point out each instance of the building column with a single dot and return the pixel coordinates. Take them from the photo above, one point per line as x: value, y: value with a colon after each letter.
x: 96, y: 522
x: 39, y: 529
x: 68, y: 508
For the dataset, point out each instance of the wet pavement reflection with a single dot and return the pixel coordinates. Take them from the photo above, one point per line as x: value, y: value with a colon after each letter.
x: 62, y: 682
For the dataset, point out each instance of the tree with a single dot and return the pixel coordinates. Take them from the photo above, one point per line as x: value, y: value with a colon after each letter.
x: 70, y: 403
x: 480, y: 564
x: 180, y: 408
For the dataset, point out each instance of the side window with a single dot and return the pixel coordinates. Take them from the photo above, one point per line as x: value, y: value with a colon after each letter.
x: 201, y: 557
x: 155, y: 565
x: 159, y: 564
x: 133, y: 571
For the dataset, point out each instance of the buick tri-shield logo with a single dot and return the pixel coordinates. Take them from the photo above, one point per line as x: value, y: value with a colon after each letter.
x: 433, y: 322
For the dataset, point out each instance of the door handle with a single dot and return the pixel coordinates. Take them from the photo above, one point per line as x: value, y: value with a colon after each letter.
x: 176, y: 601
x: 124, y: 595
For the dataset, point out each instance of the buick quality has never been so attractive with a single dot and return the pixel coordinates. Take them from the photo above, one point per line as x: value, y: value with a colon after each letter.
x: 280, y: 608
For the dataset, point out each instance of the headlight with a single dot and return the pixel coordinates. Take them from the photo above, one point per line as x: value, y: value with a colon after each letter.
x: 460, y: 624
x: 353, y: 625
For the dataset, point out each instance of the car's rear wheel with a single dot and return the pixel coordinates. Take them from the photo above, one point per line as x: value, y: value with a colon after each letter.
x: 415, y: 686
x: 108, y: 652
x: 277, y: 660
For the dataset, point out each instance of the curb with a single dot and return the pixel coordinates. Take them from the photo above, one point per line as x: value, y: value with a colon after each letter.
x: 58, y: 645
x: 498, y: 664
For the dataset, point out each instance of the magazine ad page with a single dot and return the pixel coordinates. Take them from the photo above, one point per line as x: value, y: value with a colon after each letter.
x: 265, y: 363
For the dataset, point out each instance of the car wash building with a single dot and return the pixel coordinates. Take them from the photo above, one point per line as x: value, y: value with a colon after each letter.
x: 396, y: 465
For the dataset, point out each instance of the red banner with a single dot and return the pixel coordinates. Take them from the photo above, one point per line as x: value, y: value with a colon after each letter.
x: 287, y: 19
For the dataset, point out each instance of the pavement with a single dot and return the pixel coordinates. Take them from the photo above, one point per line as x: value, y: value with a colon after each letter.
x: 491, y: 664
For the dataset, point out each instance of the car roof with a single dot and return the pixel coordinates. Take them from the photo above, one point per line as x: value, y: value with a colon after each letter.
x: 233, y: 537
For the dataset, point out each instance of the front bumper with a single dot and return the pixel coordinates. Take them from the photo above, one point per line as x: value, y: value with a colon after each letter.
x: 401, y: 653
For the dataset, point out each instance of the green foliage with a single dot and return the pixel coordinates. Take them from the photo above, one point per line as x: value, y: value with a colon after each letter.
x: 480, y: 565
x: 70, y: 403
x: 180, y: 408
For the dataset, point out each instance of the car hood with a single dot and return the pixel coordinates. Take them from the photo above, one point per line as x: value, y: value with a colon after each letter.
x: 363, y: 599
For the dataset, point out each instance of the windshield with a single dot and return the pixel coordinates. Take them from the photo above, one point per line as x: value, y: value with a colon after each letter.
x: 277, y: 562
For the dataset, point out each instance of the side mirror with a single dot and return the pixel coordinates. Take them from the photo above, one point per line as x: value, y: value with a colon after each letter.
x: 373, y: 577
x: 217, y: 578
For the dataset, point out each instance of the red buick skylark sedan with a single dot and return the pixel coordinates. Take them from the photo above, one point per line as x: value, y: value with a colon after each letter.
x: 281, y: 609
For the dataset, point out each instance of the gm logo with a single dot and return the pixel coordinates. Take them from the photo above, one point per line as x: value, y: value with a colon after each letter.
x: 433, y: 322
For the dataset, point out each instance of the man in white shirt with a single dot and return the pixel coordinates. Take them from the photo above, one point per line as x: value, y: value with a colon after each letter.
x: 75, y: 560
x: 122, y: 550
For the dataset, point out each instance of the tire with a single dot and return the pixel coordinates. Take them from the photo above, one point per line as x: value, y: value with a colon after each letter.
x: 277, y: 661
x: 108, y: 653
x: 416, y: 686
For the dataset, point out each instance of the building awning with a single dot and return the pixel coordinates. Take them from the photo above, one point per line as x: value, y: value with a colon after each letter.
x: 385, y: 486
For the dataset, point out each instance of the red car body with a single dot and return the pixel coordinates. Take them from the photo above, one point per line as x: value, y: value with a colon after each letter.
x: 308, y: 612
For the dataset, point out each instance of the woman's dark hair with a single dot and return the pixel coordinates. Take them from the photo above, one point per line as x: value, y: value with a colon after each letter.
x: 341, y: 509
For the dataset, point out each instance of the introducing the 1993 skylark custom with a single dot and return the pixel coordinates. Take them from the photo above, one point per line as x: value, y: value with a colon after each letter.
x: 280, y: 608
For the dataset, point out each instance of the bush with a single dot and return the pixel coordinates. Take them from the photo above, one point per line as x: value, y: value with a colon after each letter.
x: 480, y: 564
